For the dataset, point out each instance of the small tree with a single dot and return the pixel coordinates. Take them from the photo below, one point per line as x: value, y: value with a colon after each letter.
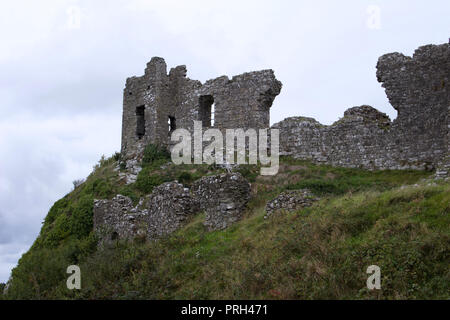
x: 153, y: 153
x: 77, y: 183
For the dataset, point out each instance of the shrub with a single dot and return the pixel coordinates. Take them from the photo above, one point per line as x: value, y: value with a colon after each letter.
x: 154, y: 152
x: 320, y: 187
x: 81, y: 219
x: 77, y: 183
x: 250, y: 172
x: 102, y: 188
x: 57, y: 208
x: 117, y: 156
x: 130, y: 192
x: 185, y: 177
x: 146, y: 181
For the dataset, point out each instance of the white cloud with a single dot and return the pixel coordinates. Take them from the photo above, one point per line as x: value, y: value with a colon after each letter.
x: 9, y: 254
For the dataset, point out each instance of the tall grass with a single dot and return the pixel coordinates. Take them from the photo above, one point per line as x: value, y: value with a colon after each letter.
x: 321, y: 252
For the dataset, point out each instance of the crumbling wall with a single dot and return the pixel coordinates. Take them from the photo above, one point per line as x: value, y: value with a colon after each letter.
x: 223, y: 197
x: 418, y: 88
x: 162, y: 212
x: 162, y: 95
x: 359, y: 139
x: 149, y: 92
x: 118, y: 219
x: 169, y: 206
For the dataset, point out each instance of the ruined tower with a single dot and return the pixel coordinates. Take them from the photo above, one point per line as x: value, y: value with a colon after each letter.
x: 157, y: 103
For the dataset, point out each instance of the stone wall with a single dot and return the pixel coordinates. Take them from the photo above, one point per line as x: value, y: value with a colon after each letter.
x: 149, y: 101
x: 162, y: 212
x: 119, y: 219
x: 223, y: 198
x: 418, y: 88
x: 169, y: 207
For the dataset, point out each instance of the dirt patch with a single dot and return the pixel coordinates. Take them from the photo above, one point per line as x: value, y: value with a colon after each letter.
x: 295, y: 168
x: 330, y: 176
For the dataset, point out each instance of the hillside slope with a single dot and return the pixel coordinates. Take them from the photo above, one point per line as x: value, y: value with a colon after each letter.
x: 398, y: 220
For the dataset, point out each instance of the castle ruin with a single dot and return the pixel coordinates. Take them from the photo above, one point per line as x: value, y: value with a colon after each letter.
x: 157, y: 103
x: 418, y: 88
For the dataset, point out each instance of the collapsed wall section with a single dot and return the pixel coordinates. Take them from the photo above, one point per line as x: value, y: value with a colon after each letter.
x: 418, y: 88
x: 222, y: 197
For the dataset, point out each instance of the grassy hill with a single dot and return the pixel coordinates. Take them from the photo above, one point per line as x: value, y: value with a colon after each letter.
x: 398, y: 220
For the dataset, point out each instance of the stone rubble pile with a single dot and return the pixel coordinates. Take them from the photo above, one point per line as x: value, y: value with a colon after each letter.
x: 290, y: 200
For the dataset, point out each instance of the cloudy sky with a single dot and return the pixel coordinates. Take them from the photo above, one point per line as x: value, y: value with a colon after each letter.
x: 63, y: 66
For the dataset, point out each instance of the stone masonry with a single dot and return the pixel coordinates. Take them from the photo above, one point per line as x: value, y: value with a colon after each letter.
x: 223, y: 197
x: 418, y: 88
x: 157, y: 103
x: 169, y: 207
x: 162, y: 212
x: 119, y: 219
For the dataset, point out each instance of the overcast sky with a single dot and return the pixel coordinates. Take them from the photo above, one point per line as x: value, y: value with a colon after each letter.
x: 63, y: 66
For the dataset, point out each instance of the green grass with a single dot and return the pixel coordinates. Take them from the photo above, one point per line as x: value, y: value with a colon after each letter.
x: 321, y: 252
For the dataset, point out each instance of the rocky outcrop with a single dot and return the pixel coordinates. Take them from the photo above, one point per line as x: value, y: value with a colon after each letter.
x: 291, y: 200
